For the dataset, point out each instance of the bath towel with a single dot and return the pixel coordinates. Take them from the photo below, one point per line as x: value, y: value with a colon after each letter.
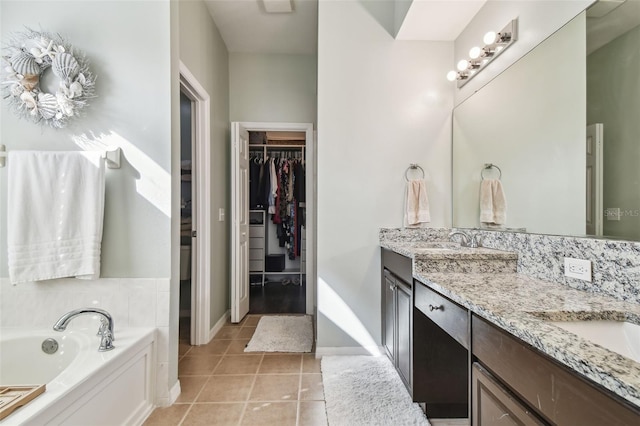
x: 417, y: 209
x: 55, y: 214
x: 493, y: 203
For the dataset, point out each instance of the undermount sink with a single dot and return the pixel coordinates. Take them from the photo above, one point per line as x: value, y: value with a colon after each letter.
x: 617, y: 336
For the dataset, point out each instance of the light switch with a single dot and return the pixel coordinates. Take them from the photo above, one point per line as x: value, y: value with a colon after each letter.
x: 221, y: 214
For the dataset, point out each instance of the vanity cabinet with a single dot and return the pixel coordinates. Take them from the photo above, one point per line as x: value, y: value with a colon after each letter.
x: 545, y: 391
x: 397, y: 313
x: 441, y: 354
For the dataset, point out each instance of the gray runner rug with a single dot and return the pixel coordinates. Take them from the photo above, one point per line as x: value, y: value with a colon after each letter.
x: 366, y: 391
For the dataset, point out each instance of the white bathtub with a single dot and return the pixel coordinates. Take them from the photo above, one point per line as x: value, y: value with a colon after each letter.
x: 84, y: 386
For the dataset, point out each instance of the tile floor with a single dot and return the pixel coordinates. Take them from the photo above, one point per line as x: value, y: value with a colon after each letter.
x: 223, y: 385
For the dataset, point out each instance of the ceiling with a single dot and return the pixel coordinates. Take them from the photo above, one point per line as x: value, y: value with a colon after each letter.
x: 618, y: 18
x: 246, y: 27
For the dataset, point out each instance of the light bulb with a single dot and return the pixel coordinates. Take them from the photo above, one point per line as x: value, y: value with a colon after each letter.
x: 462, y: 65
x: 475, y: 52
x: 452, y: 75
x: 490, y: 37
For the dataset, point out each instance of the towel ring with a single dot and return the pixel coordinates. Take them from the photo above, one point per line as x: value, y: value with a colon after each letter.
x: 412, y: 166
x: 488, y: 166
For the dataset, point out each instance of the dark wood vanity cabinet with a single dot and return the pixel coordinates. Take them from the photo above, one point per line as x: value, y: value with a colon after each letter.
x: 510, y: 373
x: 440, y: 354
x: 397, y: 313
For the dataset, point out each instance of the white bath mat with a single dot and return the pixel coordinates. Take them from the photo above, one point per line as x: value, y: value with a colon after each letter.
x: 367, y: 391
x: 291, y: 333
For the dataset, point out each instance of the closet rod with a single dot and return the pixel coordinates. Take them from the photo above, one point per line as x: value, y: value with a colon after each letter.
x: 275, y: 146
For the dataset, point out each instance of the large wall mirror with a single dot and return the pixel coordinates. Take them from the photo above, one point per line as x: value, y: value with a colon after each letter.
x: 562, y: 125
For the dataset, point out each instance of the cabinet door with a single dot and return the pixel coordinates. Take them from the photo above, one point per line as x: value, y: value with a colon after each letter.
x: 404, y: 310
x: 493, y: 405
x: 389, y: 314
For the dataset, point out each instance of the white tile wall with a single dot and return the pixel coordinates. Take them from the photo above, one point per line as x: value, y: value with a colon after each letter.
x: 132, y: 302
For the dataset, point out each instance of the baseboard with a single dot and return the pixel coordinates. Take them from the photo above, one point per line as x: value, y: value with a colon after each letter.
x: 348, y: 350
x: 218, y: 325
x: 449, y: 422
x: 174, y: 392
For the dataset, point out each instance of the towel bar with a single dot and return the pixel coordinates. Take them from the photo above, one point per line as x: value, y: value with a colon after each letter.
x: 112, y: 157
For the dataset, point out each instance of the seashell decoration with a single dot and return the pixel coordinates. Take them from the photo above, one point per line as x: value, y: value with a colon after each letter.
x: 30, y: 82
x: 65, y: 66
x: 47, y: 105
x: 29, y: 54
x: 24, y: 64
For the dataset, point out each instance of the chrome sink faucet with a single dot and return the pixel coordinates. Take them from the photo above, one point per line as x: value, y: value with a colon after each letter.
x: 106, y: 325
x: 468, y: 240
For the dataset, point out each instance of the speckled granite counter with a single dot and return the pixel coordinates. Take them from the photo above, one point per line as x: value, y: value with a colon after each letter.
x: 444, y: 256
x: 520, y: 304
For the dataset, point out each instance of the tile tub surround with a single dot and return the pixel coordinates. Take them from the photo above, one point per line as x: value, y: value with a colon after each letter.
x: 518, y: 303
x: 132, y: 302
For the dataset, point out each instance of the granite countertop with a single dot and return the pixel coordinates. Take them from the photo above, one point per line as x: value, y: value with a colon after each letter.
x: 425, y: 250
x: 520, y: 305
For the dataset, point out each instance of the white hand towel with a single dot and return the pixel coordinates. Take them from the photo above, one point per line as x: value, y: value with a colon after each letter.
x: 55, y: 214
x: 493, y: 203
x: 417, y: 210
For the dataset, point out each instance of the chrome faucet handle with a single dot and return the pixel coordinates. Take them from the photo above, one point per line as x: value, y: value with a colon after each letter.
x: 476, y: 240
x: 106, y: 340
x: 465, y: 238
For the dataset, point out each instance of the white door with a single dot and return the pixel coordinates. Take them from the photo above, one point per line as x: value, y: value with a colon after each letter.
x: 240, y: 222
x: 594, y: 179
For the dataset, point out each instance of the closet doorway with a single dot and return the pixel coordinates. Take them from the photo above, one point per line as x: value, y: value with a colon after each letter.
x: 273, y: 217
x: 195, y: 211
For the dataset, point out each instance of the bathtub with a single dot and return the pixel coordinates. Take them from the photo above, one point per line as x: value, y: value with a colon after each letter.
x: 83, y: 386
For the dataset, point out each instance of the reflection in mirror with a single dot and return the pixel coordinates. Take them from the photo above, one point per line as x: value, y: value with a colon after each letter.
x: 537, y: 123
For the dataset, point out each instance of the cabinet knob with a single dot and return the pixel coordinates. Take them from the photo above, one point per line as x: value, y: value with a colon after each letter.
x: 392, y: 287
x: 436, y: 308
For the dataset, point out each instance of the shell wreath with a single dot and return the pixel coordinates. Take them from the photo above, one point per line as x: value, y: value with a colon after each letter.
x: 29, y: 55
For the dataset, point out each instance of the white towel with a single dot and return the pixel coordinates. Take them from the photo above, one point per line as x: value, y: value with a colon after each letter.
x: 493, y: 203
x: 417, y: 210
x: 55, y: 214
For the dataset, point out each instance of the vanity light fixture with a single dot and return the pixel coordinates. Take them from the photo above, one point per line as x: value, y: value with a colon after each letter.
x: 480, y: 57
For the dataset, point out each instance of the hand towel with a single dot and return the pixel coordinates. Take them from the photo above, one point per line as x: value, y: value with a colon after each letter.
x: 493, y: 203
x: 55, y: 214
x: 417, y: 209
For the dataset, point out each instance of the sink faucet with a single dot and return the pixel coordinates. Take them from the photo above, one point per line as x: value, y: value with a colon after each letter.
x: 468, y: 240
x: 106, y: 325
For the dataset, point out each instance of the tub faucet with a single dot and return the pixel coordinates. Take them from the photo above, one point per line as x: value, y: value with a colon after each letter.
x: 106, y: 325
x: 468, y: 240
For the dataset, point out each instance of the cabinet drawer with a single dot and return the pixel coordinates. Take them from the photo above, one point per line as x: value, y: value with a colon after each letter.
x: 447, y: 315
x: 256, y: 265
x: 256, y: 231
x: 559, y: 394
x: 256, y: 242
x: 398, y: 264
x: 256, y: 254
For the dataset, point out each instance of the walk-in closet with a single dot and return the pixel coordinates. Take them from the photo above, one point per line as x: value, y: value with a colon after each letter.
x: 277, y: 219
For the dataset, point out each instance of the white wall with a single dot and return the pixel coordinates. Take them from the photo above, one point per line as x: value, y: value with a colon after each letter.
x: 204, y: 53
x: 537, y: 20
x: 531, y: 122
x: 272, y: 88
x: 132, y: 110
x: 382, y: 104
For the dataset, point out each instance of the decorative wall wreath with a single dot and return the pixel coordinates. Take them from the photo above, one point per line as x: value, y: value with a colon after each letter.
x: 29, y: 55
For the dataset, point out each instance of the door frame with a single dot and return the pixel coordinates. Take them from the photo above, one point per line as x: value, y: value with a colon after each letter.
x: 310, y: 199
x: 201, y: 251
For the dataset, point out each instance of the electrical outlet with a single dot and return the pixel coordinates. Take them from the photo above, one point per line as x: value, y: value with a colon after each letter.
x: 612, y: 213
x: 577, y: 268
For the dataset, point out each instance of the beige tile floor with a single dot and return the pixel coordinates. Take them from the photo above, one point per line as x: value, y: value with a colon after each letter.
x: 223, y: 385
